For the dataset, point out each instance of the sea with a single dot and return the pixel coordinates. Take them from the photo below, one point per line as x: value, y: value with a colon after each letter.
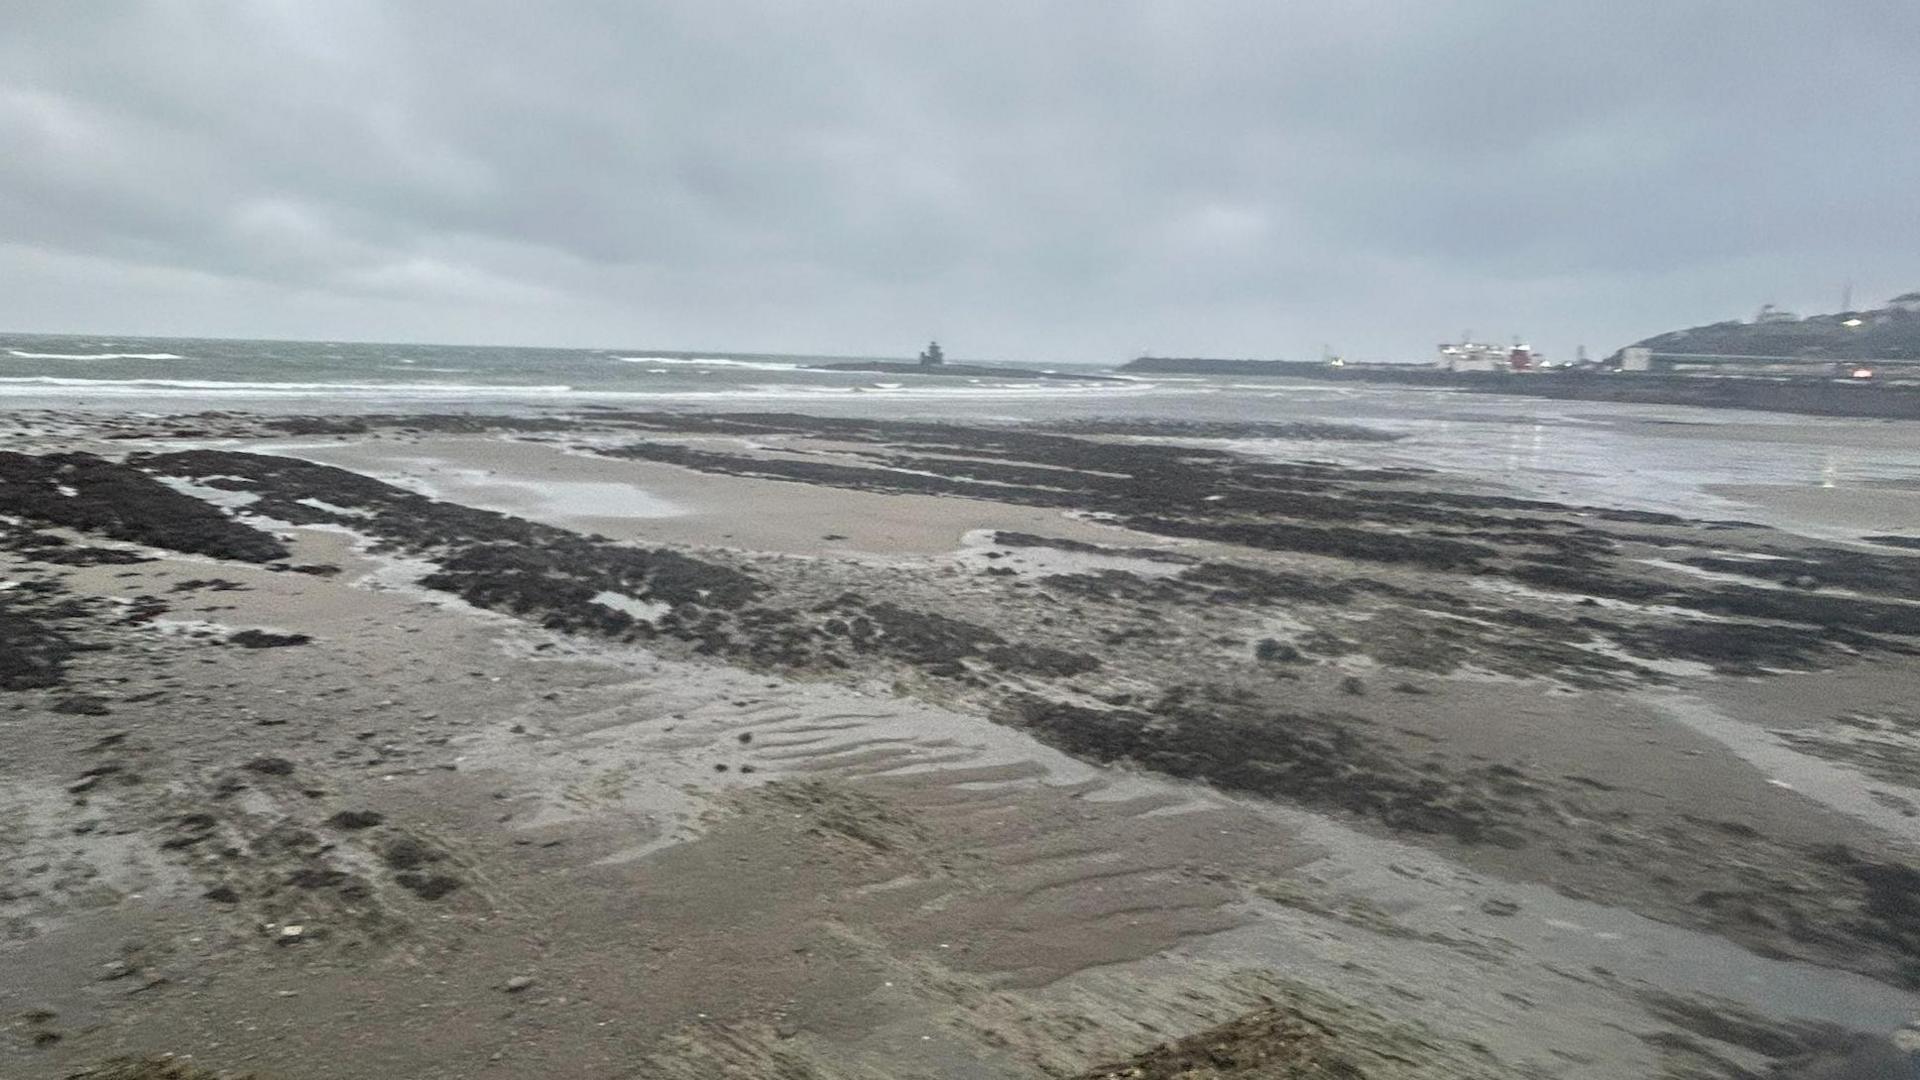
x: 1670, y: 458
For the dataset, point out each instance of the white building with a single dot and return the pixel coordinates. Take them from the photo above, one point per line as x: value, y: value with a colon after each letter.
x: 1472, y: 356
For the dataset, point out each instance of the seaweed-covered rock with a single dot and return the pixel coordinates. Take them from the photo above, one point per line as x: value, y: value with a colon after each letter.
x: 92, y: 494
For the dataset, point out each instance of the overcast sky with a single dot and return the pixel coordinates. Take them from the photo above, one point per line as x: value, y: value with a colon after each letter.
x: 1026, y: 180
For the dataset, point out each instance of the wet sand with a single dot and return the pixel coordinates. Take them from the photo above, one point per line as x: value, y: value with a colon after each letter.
x: 652, y: 503
x: 711, y: 845
x: 1822, y: 511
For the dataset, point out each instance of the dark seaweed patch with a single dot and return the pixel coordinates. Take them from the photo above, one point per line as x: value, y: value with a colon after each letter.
x: 89, y: 493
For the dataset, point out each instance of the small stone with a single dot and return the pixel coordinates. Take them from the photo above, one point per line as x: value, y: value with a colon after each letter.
x: 355, y: 819
x: 518, y: 983
x: 428, y: 886
x: 264, y: 639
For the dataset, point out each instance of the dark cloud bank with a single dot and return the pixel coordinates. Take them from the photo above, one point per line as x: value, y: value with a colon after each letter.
x: 1073, y: 181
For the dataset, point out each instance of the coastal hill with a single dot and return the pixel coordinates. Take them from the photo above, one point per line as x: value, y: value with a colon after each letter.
x: 1888, y: 333
x: 1771, y: 363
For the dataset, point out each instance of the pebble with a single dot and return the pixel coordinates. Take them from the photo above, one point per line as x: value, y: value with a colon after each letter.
x: 518, y: 983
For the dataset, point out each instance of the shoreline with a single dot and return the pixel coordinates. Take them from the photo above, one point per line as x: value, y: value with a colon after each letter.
x: 1810, y: 397
x: 862, y: 747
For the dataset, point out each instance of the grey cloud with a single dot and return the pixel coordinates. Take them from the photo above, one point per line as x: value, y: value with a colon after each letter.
x: 1073, y: 180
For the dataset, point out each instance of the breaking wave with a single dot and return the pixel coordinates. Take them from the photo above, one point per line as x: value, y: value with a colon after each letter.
x: 151, y: 386
x: 751, y: 365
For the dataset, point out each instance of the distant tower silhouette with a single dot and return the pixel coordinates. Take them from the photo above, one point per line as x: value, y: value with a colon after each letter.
x: 932, y: 356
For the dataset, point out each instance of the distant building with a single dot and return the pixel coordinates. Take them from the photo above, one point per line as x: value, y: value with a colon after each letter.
x: 1908, y: 302
x: 1770, y: 314
x: 1471, y: 356
x: 1636, y: 358
x: 932, y: 356
x: 1479, y: 356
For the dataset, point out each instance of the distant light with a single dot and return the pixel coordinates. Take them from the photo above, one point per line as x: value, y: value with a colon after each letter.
x: 1853, y: 322
x: 1863, y: 373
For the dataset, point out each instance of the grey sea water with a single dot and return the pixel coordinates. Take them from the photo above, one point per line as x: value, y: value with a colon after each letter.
x: 1639, y: 456
x: 85, y: 368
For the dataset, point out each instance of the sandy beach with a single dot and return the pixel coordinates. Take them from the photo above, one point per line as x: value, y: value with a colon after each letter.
x: 696, y: 745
